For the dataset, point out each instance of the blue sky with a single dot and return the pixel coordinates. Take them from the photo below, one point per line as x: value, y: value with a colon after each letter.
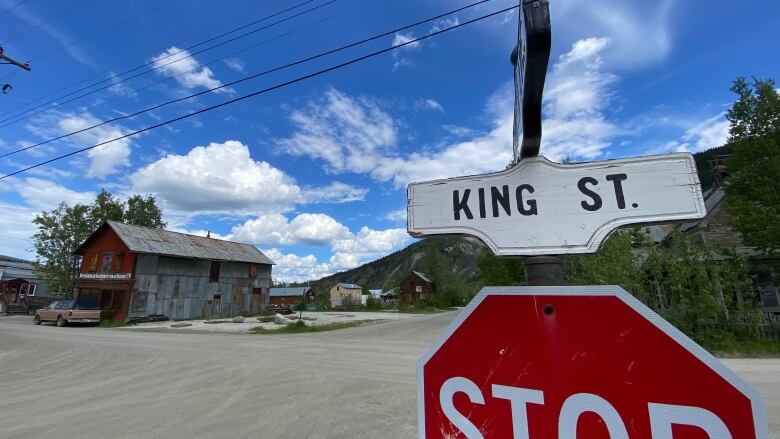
x: 315, y: 173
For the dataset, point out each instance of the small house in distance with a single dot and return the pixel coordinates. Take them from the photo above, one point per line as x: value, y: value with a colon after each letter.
x: 415, y: 287
x: 341, y: 290
x: 141, y: 271
x: 291, y: 295
x: 22, y: 288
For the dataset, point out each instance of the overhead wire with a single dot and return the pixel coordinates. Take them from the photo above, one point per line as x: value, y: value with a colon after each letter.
x: 102, y: 31
x: 11, y: 9
x: 47, y: 21
x: 157, y: 66
x: 250, y: 77
x: 264, y: 90
x: 170, y: 78
x: 190, y: 47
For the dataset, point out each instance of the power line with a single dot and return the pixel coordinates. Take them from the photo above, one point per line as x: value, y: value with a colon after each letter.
x: 263, y: 91
x: 11, y: 9
x: 247, y: 78
x: 156, y: 67
x: 193, y: 69
x: 208, y: 40
x: 104, y: 30
x: 32, y: 28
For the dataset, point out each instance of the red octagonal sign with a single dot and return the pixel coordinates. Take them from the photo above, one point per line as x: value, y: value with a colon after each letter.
x: 577, y: 362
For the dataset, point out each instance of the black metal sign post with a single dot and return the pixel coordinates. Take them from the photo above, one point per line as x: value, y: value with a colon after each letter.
x: 531, y: 58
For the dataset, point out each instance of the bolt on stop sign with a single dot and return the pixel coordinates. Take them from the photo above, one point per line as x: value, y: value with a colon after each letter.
x: 577, y: 362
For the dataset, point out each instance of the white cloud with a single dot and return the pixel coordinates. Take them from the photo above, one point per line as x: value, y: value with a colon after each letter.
x: 220, y: 177
x: 444, y: 24
x: 275, y: 229
x: 398, y: 215
x: 336, y: 192
x: 188, y: 72
x: 348, y: 249
x: 401, y: 38
x: 341, y: 130
x: 120, y: 88
x: 236, y: 64
x: 16, y: 229
x: 223, y: 177
x: 45, y: 194
x: 349, y: 134
x: 641, y: 32
x: 105, y: 159
x: 710, y: 133
x: 293, y: 268
x: 429, y: 104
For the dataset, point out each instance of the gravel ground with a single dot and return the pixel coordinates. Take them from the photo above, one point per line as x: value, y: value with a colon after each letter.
x: 123, y: 383
x: 320, y: 318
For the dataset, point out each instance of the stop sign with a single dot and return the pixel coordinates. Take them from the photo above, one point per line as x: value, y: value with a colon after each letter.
x: 577, y: 362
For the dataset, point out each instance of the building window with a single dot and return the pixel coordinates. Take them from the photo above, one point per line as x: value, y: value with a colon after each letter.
x: 252, y: 270
x: 93, y: 262
x: 116, y: 262
x: 31, y: 291
x: 106, y: 265
x: 214, y: 273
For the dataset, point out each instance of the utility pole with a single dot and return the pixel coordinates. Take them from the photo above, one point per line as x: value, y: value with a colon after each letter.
x: 5, y: 59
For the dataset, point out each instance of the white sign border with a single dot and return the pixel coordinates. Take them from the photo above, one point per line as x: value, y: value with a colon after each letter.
x: 760, y: 419
x: 598, y: 236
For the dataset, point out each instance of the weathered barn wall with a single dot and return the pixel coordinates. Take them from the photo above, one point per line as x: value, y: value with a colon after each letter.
x: 179, y: 288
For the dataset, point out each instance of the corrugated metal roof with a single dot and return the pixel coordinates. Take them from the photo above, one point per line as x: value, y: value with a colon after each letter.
x: 163, y: 242
x: 423, y: 276
x: 350, y: 286
x: 711, y: 201
x: 289, y: 291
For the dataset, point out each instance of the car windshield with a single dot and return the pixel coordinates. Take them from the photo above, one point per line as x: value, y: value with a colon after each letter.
x: 65, y: 304
x: 86, y: 304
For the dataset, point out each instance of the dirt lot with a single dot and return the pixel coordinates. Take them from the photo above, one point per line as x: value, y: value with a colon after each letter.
x: 122, y: 383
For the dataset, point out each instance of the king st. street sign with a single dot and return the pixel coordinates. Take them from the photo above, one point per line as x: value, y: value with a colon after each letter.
x: 538, y: 207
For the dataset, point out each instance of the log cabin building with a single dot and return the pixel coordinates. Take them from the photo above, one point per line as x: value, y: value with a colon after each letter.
x: 416, y: 287
x: 140, y: 271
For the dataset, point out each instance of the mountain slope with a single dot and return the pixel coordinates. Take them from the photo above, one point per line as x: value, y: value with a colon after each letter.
x: 459, y: 253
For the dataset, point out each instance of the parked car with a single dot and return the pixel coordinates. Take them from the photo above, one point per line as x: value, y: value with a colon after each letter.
x: 69, y: 311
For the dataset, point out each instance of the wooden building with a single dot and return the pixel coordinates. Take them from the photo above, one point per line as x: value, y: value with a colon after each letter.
x: 416, y: 287
x: 715, y: 231
x: 291, y: 296
x: 342, y: 290
x: 141, y: 271
x: 22, y: 288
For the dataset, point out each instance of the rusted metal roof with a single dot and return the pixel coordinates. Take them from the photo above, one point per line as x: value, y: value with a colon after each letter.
x: 163, y: 242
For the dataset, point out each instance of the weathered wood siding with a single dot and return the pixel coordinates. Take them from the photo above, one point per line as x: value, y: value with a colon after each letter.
x: 179, y: 288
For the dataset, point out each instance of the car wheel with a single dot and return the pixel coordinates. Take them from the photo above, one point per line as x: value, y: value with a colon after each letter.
x: 61, y: 322
x: 37, y: 320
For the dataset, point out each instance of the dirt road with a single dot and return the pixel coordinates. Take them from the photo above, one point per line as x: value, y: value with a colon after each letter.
x: 352, y: 383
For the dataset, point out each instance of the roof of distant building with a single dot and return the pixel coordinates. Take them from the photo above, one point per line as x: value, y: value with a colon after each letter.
x: 289, y: 291
x: 350, y: 286
x: 422, y: 276
x: 163, y: 242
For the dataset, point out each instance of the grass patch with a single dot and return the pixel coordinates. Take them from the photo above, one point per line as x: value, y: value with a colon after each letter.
x: 300, y: 327
x: 730, y: 348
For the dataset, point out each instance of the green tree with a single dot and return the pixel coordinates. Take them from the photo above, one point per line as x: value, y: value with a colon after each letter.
x: 501, y: 270
x: 60, y: 232
x: 753, y: 188
x: 63, y: 229
x: 143, y: 211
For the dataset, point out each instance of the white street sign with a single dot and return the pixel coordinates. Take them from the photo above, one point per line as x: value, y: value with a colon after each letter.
x: 539, y: 207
